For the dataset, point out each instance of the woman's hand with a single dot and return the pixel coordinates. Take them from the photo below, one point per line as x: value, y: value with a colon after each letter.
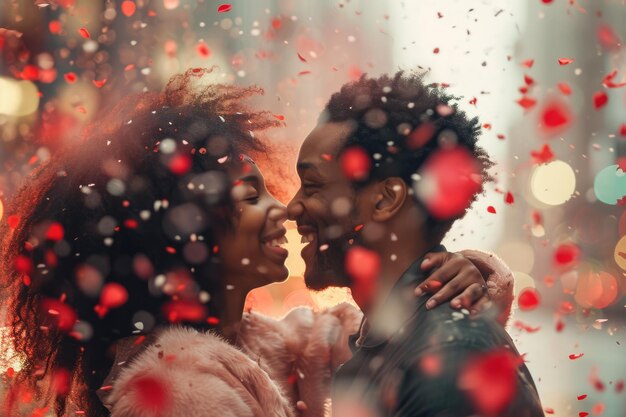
x: 453, y: 277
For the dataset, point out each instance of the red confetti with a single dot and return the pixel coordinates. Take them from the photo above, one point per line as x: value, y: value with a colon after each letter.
x: 61, y: 382
x: 55, y: 232
x: 621, y: 163
x: 279, y: 117
x: 546, y: 1
x: 100, y: 83
x: 354, y: 73
x: 508, y: 198
x: 526, y: 102
x: 363, y: 265
x: 70, y: 77
x: 583, y: 414
x: 500, y: 136
x: 327, y: 157
x: 528, y: 299
x: 542, y: 156
x: 575, y: 356
x: 301, y: 58
x: 560, y: 326
x: 23, y: 265
x: 565, y: 61
x: 522, y: 326
x: 304, y: 72
x: 223, y: 8
x: 566, y: 254
x: 598, y: 409
x: 170, y: 250
x: 13, y: 220
x: 565, y: 88
x: 491, y: 209
x: 436, y: 51
x: 203, y: 50
x: 581, y: 397
x: 181, y: 310
x: 619, y: 386
x: 84, y: 33
x: 213, y: 321
x: 63, y: 315
x: 420, y: 135
x: 528, y: 80
x: 622, y: 130
x: 600, y: 99
x: 128, y: 8
x: 490, y: 381
x: 608, y: 38
x: 549, y: 410
x: 555, y: 117
x: 607, y: 81
x: 431, y: 364
x: 113, y: 295
x: 355, y: 163
x: 129, y: 67
x: 528, y: 63
x: 454, y: 179
x: 180, y: 164
x: 55, y: 27
x: 473, y: 101
x: 276, y: 23
x: 150, y: 394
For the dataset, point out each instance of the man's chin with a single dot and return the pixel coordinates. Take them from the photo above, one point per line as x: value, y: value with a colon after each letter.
x: 317, y: 280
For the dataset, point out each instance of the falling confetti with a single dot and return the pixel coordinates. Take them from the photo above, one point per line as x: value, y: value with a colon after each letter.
x: 84, y: 33
x: 223, y: 8
x: 544, y: 155
x: 128, y: 8
x: 565, y: 61
x: 528, y: 299
x: 355, y: 163
x: 600, y: 99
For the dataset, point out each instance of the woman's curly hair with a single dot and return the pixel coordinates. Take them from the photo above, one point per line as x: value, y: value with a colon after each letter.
x: 119, y: 208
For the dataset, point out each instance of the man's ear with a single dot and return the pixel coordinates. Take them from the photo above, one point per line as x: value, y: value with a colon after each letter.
x: 391, y: 195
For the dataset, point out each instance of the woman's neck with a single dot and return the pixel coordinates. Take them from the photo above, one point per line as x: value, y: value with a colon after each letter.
x: 231, y: 311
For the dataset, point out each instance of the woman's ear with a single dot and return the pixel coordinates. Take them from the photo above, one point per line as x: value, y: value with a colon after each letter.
x: 391, y: 195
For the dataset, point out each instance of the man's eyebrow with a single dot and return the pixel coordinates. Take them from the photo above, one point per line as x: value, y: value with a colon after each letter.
x: 304, y: 166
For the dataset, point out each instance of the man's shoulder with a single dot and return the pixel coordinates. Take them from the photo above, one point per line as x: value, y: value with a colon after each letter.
x: 445, y: 328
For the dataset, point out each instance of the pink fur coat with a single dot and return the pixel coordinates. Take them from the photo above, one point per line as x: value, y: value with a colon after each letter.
x: 282, y: 368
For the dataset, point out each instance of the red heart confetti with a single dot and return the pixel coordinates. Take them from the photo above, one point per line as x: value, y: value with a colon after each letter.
x: 543, y: 156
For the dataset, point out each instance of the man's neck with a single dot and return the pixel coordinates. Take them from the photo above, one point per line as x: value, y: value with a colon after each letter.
x: 396, y: 258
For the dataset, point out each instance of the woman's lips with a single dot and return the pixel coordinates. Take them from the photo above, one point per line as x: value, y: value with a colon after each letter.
x: 274, y: 250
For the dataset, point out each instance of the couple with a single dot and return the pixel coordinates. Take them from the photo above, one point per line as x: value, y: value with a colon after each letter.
x: 156, y: 226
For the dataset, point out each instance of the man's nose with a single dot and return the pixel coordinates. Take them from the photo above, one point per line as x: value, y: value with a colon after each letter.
x: 295, y: 207
x: 278, y: 212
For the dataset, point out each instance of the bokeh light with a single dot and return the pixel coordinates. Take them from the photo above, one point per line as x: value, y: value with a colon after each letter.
x: 610, y: 184
x: 19, y: 98
x: 553, y: 183
x: 596, y: 289
x: 620, y: 253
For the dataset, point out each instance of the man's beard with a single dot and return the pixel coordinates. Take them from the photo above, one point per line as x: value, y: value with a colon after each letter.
x: 327, y: 269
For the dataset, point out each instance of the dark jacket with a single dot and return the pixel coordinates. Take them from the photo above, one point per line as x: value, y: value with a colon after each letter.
x: 441, y: 362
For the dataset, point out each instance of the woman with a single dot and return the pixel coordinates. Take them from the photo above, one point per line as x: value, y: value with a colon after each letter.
x: 152, y: 228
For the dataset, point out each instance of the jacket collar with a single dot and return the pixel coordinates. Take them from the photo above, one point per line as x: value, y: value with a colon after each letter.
x: 400, y: 306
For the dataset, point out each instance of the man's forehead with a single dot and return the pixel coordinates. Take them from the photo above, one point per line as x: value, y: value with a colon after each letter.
x: 324, y: 142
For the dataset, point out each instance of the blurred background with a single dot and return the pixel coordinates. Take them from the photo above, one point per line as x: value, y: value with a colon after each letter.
x: 547, y: 79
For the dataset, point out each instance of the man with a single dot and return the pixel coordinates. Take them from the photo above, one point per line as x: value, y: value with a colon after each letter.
x: 388, y: 169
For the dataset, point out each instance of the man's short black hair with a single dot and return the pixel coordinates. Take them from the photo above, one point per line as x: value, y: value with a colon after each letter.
x: 401, y: 122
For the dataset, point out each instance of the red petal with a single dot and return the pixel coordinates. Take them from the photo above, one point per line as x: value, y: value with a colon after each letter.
x: 223, y: 8
x: 600, y: 99
x: 528, y: 80
x: 565, y: 88
x: 113, y: 295
x: 528, y: 63
x: 526, y: 102
x: 55, y: 27
x: 70, y: 77
x: 607, y: 81
x: 565, y: 61
x: 508, y: 199
x: 491, y: 209
x: 301, y: 58
x: 84, y: 33
x: 581, y: 397
x: 100, y: 83
x: 555, y: 117
x: 622, y: 130
x: 203, y: 50
x: 542, y: 156
x: 575, y: 356
x: 608, y: 38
